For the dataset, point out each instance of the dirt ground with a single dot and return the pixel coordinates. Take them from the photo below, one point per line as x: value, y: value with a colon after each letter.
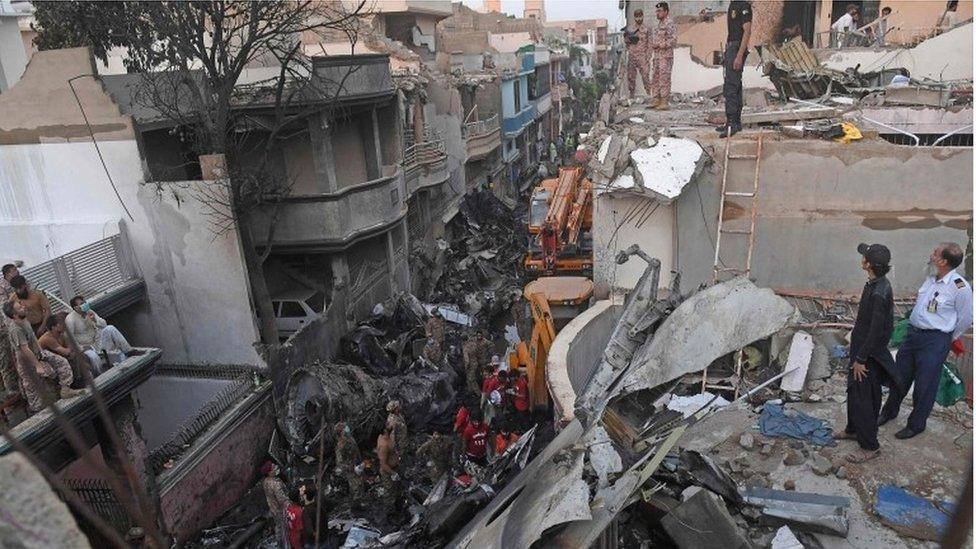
x: 932, y: 465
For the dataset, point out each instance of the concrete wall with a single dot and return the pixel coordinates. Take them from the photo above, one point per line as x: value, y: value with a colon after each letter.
x: 946, y: 57
x: 300, y: 168
x: 55, y: 197
x: 348, y: 144
x: 613, y: 231
x: 196, y: 492
x: 13, y: 56
x: 818, y: 200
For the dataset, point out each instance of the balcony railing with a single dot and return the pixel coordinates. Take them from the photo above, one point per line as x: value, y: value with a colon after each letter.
x: 431, y: 149
x: 101, y: 271
x: 515, y: 123
x: 480, y: 128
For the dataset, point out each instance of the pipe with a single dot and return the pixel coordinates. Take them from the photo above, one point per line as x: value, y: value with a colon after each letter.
x: 765, y: 383
x: 953, y: 132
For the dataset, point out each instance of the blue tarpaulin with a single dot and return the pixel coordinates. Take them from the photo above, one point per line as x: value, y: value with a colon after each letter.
x: 774, y: 421
x: 911, y: 515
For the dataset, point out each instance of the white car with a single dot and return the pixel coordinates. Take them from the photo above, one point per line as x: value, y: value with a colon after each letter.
x: 295, y: 308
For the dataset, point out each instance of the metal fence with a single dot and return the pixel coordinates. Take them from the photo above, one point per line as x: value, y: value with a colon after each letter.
x: 101, y: 499
x: 480, y: 127
x: 94, y: 269
x: 430, y: 149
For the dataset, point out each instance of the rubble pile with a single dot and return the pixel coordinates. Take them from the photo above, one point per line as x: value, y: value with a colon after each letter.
x: 481, y: 269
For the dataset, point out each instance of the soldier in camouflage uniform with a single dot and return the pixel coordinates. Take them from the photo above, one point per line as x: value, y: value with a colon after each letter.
x: 437, y: 451
x: 638, y: 40
x: 398, y: 429
x: 8, y: 360
x: 348, y: 460
x: 663, y: 40
x: 276, y: 494
x: 432, y: 352
x: 35, y: 365
x: 476, y: 351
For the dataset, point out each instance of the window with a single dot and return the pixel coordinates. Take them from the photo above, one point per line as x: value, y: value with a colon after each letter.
x: 291, y: 309
x: 517, y: 88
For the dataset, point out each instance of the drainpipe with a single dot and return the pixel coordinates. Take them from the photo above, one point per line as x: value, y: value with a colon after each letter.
x: 953, y: 132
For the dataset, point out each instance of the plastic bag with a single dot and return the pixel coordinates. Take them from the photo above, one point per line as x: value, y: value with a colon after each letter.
x: 951, y: 387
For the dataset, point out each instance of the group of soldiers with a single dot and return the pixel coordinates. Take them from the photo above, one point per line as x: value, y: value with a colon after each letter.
x: 650, y: 52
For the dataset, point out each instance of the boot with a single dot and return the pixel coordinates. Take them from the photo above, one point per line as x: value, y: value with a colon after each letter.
x: 662, y: 105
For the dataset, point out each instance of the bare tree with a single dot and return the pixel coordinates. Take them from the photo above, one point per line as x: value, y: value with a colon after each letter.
x: 193, y: 56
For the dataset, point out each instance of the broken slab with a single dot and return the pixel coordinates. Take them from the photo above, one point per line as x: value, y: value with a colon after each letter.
x: 797, y: 363
x: 34, y: 517
x: 789, y: 115
x: 703, y: 521
x: 708, y: 325
x: 667, y: 167
x: 801, y: 510
x: 911, y: 515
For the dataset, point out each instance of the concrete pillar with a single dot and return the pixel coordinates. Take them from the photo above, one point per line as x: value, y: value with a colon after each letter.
x: 369, y: 128
x: 418, y: 121
x: 389, y: 261
x: 406, y: 252
x: 323, y: 154
x: 133, y: 450
x: 340, y: 270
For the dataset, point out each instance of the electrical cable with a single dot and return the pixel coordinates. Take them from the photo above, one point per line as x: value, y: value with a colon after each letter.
x: 97, y: 149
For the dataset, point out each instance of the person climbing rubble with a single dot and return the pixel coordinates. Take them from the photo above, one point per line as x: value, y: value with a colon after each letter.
x: 276, y: 494
x: 432, y: 352
x: 437, y: 451
x: 349, y: 463
x: 435, y: 328
x: 388, y: 460
x: 474, y: 440
x: 398, y: 429
x: 475, y: 353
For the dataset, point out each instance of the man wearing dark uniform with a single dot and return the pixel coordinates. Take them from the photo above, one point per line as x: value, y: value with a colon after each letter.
x: 871, y: 362
x: 736, y: 49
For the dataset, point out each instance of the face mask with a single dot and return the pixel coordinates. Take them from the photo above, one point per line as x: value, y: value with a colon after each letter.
x: 85, y: 307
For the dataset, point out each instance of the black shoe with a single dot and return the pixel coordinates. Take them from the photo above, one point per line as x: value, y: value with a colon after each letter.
x: 882, y: 419
x: 729, y: 131
x: 906, y: 433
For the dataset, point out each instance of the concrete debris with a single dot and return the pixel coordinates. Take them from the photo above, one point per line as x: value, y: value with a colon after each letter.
x: 793, y: 458
x: 841, y: 472
x: 34, y: 517
x: 820, y: 465
x: 911, y: 515
x: 667, y: 167
x: 747, y: 441
x: 603, y: 458
x: 785, y: 539
x: 797, y: 363
x: 703, y: 521
x: 789, y: 485
x: 690, y: 404
x: 766, y: 449
x: 806, y: 511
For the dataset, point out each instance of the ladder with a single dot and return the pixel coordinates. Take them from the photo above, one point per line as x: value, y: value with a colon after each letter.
x: 718, y: 267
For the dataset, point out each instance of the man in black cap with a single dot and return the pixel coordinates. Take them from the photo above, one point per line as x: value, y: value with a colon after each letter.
x: 871, y: 362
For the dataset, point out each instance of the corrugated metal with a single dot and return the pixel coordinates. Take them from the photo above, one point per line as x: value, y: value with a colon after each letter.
x: 94, y: 270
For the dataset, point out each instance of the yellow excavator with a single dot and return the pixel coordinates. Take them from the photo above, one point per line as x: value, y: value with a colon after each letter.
x: 551, y: 302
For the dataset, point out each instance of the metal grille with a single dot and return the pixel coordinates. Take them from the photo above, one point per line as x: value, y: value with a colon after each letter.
x: 931, y: 139
x: 95, y: 269
x: 481, y: 127
x: 100, y: 498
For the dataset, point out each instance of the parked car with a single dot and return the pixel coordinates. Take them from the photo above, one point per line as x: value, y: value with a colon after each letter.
x: 295, y: 308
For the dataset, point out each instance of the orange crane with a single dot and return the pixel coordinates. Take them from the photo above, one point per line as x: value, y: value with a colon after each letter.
x: 560, y: 221
x: 552, y: 303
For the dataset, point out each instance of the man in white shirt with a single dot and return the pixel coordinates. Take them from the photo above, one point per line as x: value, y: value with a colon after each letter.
x: 844, y: 25
x: 93, y: 335
x: 943, y: 312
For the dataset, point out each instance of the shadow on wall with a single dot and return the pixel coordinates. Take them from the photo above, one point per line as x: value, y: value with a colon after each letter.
x: 317, y: 340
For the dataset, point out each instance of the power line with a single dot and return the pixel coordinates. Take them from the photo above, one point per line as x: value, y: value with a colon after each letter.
x: 97, y: 150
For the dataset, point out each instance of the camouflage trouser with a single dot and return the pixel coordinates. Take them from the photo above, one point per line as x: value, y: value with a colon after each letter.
x: 661, y: 79
x: 638, y: 63
x: 391, y: 486
x: 8, y: 367
x: 355, y: 484
x: 471, y: 377
x: 51, y: 367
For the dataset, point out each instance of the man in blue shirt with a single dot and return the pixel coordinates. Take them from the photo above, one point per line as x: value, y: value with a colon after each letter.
x: 943, y: 312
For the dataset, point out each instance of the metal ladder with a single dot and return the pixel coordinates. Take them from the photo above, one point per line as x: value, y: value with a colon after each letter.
x: 718, y: 268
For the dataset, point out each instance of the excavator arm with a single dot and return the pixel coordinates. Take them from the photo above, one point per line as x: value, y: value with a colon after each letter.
x: 531, y: 355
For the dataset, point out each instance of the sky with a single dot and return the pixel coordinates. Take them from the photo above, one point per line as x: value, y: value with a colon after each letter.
x: 558, y: 10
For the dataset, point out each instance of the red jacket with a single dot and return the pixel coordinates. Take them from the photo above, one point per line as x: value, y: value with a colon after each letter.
x: 502, y: 442
x: 490, y: 383
x: 296, y: 525
x: 521, y: 399
x: 475, y: 439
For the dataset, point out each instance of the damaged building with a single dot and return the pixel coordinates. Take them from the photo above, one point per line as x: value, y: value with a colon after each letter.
x: 689, y: 397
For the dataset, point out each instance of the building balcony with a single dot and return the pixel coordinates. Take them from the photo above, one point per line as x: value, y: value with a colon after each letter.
x: 513, y: 125
x: 332, y: 221
x: 543, y: 105
x: 424, y: 163
x: 481, y: 137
